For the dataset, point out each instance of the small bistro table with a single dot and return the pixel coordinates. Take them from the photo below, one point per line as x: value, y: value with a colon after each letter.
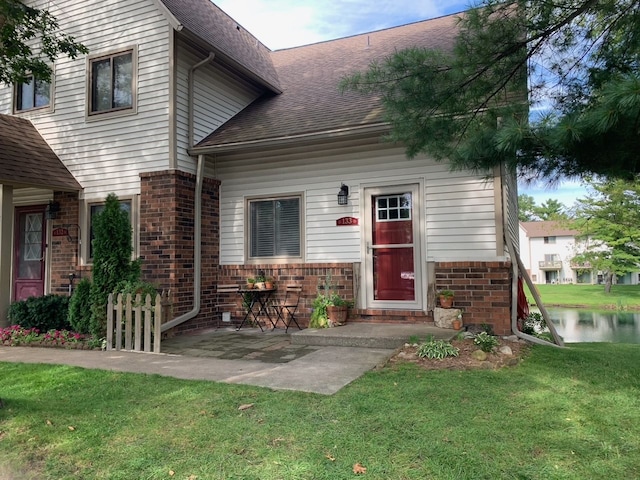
x: 258, y: 305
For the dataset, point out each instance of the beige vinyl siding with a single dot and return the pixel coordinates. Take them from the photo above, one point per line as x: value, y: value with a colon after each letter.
x: 218, y: 96
x: 513, y: 226
x: 107, y: 154
x: 459, y: 209
x: 31, y: 196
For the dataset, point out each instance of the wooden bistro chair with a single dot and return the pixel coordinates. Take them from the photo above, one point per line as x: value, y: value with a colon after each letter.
x: 289, y: 306
x: 225, y: 299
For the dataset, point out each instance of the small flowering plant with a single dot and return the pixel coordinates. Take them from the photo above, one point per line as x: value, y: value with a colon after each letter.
x: 17, y: 335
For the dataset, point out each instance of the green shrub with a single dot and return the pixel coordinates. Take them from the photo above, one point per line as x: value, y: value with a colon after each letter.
x: 534, y: 324
x: 80, y: 307
x: 486, y: 342
x: 112, y: 263
x: 49, y: 312
x: 437, y: 349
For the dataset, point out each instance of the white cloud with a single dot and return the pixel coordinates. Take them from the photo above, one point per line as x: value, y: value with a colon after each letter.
x: 286, y: 23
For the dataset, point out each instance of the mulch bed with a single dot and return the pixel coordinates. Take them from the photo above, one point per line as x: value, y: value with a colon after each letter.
x: 464, y: 360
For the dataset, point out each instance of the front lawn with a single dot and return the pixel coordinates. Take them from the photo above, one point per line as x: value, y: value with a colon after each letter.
x: 561, y: 414
x: 593, y: 296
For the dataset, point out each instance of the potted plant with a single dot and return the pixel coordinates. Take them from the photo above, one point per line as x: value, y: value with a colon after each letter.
x: 251, y: 283
x: 269, y: 283
x: 337, y: 310
x: 260, y: 281
x: 457, y: 323
x: 329, y: 309
x: 446, y: 298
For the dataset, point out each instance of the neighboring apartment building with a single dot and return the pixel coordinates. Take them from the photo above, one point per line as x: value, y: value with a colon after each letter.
x: 547, y: 249
x: 229, y: 158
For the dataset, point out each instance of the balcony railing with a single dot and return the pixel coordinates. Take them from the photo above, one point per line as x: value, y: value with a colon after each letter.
x: 581, y: 266
x: 550, y: 265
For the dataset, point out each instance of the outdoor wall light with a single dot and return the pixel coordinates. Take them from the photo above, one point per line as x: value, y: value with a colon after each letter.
x: 52, y: 210
x: 343, y: 195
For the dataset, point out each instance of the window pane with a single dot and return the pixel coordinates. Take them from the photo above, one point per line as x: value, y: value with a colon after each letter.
x: 122, y: 81
x: 101, y: 85
x: 275, y: 228
x: 25, y: 96
x: 288, y: 227
x: 43, y: 93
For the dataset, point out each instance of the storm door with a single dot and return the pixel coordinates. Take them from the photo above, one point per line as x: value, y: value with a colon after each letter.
x: 29, y: 253
x: 392, y: 258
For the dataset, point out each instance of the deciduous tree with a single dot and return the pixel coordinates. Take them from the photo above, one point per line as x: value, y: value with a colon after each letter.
x: 30, y: 41
x: 608, y: 220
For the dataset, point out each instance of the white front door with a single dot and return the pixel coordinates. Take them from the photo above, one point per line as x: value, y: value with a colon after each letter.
x: 393, y: 275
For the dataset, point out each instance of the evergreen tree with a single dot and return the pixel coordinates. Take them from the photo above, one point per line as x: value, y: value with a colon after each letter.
x: 551, y: 210
x: 526, y: 208
x: 30, y: 41
x: 472, y: 105
x: 112, y: 263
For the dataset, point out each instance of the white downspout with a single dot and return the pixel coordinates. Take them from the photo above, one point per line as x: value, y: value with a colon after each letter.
x: 197, y: 212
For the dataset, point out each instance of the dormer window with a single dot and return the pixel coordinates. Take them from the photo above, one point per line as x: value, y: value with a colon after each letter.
x: 112, y: 83
x: 32, y: 94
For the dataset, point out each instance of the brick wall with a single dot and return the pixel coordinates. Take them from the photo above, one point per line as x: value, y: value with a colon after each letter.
x: 309, y: 276
x: 167, y: 239
x: 64, y: 249
x: 482, y: 290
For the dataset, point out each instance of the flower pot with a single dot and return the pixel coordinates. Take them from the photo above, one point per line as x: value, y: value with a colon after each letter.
x: 268, y: 285
x: 260, y: 285
x: 457, y: 324
x: 337, y: 315
x: 250, y: 286
x: 446, y: 302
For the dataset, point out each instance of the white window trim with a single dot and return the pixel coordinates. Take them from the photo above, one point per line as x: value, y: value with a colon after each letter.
x: 85, y: 219
x: 44, y: 109
x: 247, y: 230
x: 133, y: 110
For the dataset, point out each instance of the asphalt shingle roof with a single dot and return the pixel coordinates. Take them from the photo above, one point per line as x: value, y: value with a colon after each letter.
x: 309, y: 76
x: 26, y: 160
x: 209, y: 23
x: 547, y: 228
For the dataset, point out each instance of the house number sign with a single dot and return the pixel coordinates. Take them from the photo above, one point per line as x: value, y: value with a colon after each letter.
x: 60, y: 232
x: 346, y: 221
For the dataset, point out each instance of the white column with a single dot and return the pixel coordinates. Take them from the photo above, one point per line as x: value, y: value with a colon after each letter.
x: 6, y: 253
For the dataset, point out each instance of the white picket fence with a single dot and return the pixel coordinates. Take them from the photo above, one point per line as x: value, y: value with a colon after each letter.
x: 139, y: 322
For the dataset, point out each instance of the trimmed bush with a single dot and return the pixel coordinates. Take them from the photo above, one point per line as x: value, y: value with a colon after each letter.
x: 49, y: 312
x: 80, y: 307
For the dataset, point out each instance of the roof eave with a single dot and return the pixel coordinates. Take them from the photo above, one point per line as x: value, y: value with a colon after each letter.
x: 288, y: 140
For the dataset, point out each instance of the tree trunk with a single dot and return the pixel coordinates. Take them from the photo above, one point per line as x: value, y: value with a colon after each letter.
x: 608, y: 280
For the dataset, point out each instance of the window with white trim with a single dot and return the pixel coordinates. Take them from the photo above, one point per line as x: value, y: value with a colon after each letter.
x: 275, y: 227
x: 32, y: 94
x: 111, y: 83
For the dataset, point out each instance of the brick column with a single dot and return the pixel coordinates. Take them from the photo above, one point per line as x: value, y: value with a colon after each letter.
x: 482, y: 290
x: 167, y: 239
x: 64, y: 249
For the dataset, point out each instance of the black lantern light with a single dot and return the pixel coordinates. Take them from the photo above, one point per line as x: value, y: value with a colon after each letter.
x: 343, y: 195
x: 52, y: 210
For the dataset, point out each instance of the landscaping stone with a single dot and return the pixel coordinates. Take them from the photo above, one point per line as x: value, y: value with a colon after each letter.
x: 444, y: 317
x: 479, y: 355
x: 506, y: 350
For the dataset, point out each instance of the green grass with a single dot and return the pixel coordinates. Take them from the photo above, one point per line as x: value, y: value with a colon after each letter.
x: 561, y: 414
x: 621, y: 296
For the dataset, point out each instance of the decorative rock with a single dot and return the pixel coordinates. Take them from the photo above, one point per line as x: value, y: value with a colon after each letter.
x: 506, y: 350
x: 511, y: 338
x: 444, y: 317
x: 479, y: 355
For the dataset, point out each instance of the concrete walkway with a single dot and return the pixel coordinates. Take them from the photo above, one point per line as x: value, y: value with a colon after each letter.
x: 269, y: 359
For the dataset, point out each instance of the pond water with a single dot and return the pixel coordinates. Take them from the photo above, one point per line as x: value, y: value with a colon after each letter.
x: 581, y: 325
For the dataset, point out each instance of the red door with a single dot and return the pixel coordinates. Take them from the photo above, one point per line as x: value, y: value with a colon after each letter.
x: 29, y: 252
x: 391, y: 248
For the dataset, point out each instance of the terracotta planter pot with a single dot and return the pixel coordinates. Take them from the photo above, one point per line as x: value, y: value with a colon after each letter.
x: 446, y: 302
x: 457, y: 324
x: 337, y: 315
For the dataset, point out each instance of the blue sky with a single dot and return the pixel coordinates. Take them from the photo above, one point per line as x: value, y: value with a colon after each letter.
x: 289, y: 23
